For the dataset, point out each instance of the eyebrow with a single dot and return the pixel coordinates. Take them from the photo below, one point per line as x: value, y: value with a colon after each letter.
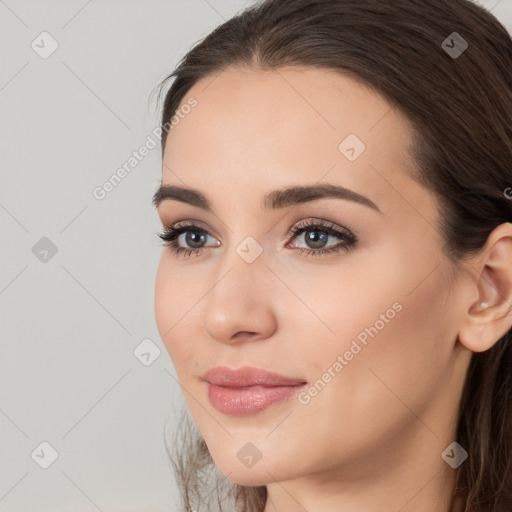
x: 272, y: 201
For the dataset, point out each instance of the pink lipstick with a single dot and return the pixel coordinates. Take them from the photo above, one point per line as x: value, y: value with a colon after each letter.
x: 247, y: 390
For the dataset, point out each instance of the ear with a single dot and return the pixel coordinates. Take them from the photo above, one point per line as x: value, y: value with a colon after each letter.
x: 489, y: 316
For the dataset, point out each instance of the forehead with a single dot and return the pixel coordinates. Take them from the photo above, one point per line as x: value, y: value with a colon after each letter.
x: 260, y: 130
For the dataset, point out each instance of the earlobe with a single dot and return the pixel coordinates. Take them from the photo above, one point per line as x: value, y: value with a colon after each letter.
x: 489, y: 317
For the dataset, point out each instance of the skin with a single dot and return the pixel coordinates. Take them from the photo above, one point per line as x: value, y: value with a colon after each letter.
x: 371, y: 439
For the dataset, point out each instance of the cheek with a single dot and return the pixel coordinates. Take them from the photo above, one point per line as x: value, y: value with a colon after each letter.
x: 387, y: 370
x: 170, y: 310
x: 163, y: 301
x: 341, y: 301
x: 387, y: 318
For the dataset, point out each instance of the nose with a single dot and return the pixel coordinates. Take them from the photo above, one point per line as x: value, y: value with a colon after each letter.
x: 240, y: 306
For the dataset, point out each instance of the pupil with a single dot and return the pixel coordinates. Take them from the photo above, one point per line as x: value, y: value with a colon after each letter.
x: 192, y: 239
x: 316, y: 240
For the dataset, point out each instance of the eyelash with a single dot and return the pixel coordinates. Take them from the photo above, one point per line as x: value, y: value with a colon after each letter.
x: 170, y: 235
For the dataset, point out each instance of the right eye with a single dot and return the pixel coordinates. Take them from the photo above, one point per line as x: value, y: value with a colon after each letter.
x: 188, y: 234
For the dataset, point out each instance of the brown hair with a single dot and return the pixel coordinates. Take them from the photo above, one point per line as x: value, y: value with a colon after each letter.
x: 460, y: 106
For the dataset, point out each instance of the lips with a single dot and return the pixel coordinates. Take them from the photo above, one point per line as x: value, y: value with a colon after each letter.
x: 246, y: 390
x: 247, y: 376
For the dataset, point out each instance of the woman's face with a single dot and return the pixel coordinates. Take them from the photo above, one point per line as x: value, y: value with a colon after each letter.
x: 357, y: 311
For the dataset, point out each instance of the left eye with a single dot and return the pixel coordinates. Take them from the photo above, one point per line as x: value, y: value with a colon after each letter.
x: 316, y: 236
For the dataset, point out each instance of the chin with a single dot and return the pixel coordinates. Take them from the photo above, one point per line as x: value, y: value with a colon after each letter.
x: 241, y: 472
x: 250, y: 477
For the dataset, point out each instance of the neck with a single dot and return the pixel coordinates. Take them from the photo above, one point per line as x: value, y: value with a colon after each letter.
x: 414, y: 480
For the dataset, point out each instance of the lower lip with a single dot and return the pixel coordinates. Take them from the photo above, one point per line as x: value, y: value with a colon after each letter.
x: 251, y: 400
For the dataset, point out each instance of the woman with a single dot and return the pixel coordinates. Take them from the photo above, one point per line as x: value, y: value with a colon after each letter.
x: 335, y: 290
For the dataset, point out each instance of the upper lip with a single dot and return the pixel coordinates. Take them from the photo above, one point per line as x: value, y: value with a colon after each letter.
x: 247, y: 376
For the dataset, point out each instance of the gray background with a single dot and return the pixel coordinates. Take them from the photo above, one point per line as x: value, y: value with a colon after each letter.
x: 71, y: 321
